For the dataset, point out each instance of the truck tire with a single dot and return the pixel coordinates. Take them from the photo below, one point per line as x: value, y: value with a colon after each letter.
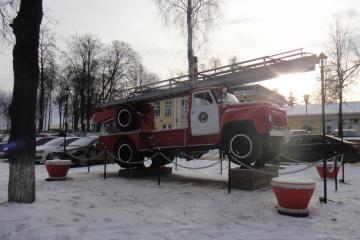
x: 243, y: 145
x: 126, y: 118
x: 126, y: 153
x: 159, y: 160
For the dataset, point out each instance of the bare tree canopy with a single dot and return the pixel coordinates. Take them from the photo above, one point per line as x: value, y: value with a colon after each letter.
x: 343, y: 63
x: 5, y: 100
x: 8, y: 10
x: 193, y: 17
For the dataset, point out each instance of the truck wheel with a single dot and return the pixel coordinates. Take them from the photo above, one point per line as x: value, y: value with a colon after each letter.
x: 271, y: 151
x: 243, y: 145
x: 126, y: 153
x: 159, y: 160
x: 126, y: 118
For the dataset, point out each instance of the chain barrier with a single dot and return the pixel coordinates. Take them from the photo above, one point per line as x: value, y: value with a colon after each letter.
x: 113, y: 157
x: 290, y: 172
x: 84, y: 159
x: 130, y: 163
x: 186, y: 167
x: 331, y: 167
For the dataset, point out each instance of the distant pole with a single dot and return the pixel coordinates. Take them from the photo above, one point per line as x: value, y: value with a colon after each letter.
x: 306, y: 100
x: 323, y: 58
x: 66, y: 116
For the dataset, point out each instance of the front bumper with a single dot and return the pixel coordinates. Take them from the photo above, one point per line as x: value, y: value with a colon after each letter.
x: 282, y: 132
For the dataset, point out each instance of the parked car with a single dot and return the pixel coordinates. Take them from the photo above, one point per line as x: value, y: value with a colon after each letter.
x: 294, y: 132
x: 39, y: 141
x: 44, y: 152
x: 81, y: 150
x: 308, y: 148
x: 4, y: 141
x: 350, y: 135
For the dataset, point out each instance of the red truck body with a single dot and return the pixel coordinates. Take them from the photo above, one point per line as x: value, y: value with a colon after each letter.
x: 260, y: 119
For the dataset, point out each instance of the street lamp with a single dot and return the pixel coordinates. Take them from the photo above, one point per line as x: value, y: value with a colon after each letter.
x: 306, y: 100
x: 323, y: 58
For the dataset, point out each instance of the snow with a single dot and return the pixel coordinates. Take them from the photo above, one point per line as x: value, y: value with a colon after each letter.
x: 189, y: 204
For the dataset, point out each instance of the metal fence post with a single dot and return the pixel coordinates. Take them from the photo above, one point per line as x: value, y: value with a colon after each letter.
x: 229, y: 177
x: 105, y: 164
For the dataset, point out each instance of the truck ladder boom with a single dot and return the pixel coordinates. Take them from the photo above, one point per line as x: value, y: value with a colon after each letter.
x: 251, y: 71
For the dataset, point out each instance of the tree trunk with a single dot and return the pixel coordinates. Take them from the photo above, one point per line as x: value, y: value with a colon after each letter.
x: 49, y: 116
x: 340, y: 125
x: 26, y: 28
x: 60, y: 115
x: 190, y: 51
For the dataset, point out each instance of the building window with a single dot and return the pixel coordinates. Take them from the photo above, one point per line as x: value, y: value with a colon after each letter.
x: 168, y: 108
x: 184, y: 109
x: 157, y: 109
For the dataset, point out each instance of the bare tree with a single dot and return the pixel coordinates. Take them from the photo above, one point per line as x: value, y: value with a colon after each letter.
x: 47, y: 63
x: 26, y: 29
x: 215, y: 62
x: 83, y: 58
x: 195, y: 17
x: 5, y: 100
x: 116, y: 66
x: 343, y: 63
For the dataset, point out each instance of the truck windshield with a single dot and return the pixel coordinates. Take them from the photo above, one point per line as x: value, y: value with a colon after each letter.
x: 229, y: 98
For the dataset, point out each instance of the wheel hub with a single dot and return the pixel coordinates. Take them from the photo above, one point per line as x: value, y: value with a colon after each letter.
x: 241, y: 146
x: 125, y: 153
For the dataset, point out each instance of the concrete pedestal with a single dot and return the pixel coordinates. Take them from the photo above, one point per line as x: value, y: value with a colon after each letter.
x: 246, y: 179
x: 144, y: 172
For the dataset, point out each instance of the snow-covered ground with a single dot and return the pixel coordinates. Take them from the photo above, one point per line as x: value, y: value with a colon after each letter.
x: 183, y: 207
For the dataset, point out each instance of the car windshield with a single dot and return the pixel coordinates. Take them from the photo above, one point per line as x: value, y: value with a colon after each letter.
x: 55, y: 142
x: 82, y: 142
x: 43, y: 141
x: 229, y: 98
x: 69, y: 141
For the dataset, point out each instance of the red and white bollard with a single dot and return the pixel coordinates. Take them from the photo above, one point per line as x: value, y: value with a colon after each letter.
x: 57, y: 169
x: 293, y: 195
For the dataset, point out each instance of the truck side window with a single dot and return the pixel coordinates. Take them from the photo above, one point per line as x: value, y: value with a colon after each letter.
x: 203, y: 98
x: 207, y: 99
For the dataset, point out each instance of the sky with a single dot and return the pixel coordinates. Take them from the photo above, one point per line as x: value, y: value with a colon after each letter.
x: 247, y: 29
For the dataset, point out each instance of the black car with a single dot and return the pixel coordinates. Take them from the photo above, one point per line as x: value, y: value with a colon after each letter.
x: 80, y: 151
x: 308, y: 148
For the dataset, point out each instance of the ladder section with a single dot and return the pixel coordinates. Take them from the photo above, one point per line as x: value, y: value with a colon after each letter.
x: 251, y: 71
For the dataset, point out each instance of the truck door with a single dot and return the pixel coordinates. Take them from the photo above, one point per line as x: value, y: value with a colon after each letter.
x: 204, y: 114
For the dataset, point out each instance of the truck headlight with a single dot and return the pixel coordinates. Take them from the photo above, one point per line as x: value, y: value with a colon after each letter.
x: 269, y: 118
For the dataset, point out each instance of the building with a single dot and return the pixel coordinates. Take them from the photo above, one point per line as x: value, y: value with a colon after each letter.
x: 298, y: 119
x: 172, y: 113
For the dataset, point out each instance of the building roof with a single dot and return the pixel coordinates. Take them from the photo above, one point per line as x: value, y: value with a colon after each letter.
x: 315, y: 109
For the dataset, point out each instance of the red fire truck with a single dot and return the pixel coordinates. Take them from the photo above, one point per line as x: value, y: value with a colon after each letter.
x: 250, y: 133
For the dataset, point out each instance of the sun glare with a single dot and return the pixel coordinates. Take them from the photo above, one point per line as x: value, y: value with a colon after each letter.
x: 299, y: 84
